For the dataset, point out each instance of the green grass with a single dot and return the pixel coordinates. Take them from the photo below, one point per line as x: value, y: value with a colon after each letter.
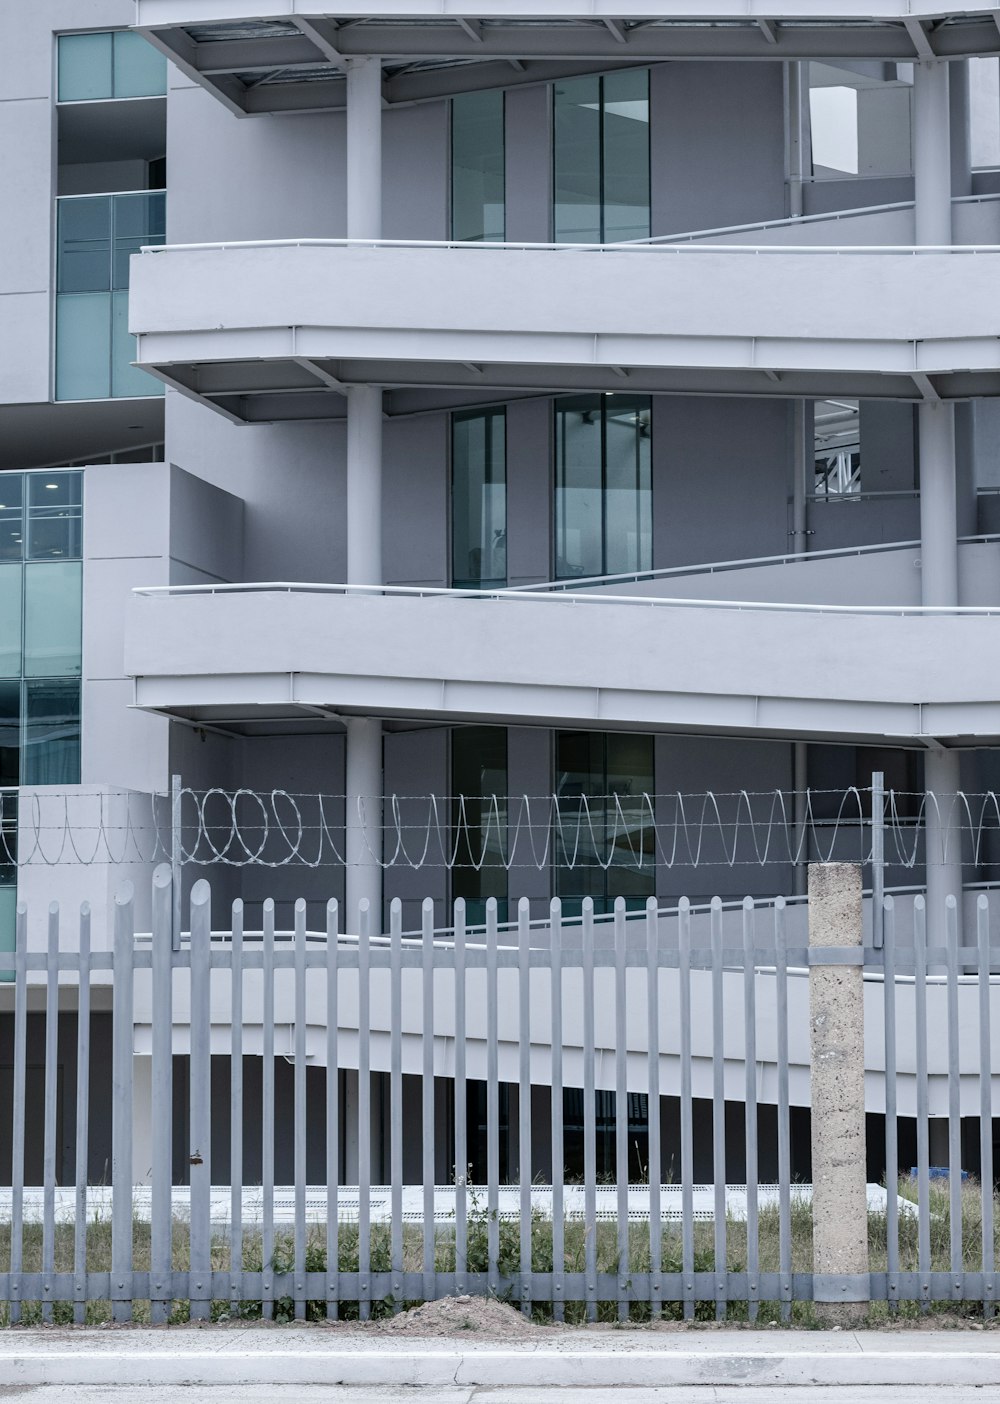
x: 606, y: 1249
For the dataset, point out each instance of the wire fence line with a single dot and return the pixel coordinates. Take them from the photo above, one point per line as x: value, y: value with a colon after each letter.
x: 279, y: 828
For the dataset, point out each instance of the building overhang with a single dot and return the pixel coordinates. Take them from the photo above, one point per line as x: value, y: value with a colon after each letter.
x: 257, y: 58
x: 276, y: 331
x: 240, y: 656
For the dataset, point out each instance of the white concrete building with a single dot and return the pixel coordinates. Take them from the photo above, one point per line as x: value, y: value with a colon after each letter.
x: 543, y: 399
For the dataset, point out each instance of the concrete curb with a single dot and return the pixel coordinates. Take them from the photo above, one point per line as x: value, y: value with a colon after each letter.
x: 239, y: 1358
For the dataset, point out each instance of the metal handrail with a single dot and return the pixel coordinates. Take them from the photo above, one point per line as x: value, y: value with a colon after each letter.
x: 622, y: 247
x: 559, y: 597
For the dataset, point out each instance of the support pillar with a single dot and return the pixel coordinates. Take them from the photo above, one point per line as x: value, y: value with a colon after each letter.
x: 837, y: 1097
x: 364, y: 498
x: 364, y: 148
x: 932, y: 152
x: 942, y: 839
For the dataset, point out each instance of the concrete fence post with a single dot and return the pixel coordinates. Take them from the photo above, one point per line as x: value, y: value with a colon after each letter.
x: 837, y: 1080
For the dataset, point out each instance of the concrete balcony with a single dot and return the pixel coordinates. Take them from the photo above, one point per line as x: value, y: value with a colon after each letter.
x: 268, y: 331
x: 250, y: 654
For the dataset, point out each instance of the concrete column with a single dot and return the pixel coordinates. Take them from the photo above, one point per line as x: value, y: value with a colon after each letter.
x: 797, y: 132
x: 364, y: 820
x: 364, y: 148
x: 960, y: 111
x: 837, y: 1095
x: 932, y: 152
x: 943, y: 839
x: 938, y: 504
x: 364, y: 485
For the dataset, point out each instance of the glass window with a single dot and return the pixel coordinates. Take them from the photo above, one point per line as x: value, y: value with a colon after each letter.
x: 479, y: 500
x: 10, y: 740
x: 477, y: 166
x: 51, y: 733
x: 479, y: 818
x: 138, y: 219
x: 84, y: 251
x: 55, y: 516
x: 52, y: 615
x: 603, y: 845
x: 127, y: 379
x: 83, y: 346
x: 601, y: 158
x: 604, y: 508
x: 11, y: 517
x: 114, y: 64
x: 10, y: 621
x: 139, y: 69
x: 85, y: 67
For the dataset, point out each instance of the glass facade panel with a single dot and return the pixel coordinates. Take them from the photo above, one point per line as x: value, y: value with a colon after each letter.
x: 51, y: 733
x: 83, y: 346
x: 477, y: 167
x: 479, y: 500
x: 10, y: 738
x: 84, y: 251
x: 97, y: 236
x: 601, y: 158
x: 55, y: 516
x: 139, y: 69
x: 85, y: 67
x: 113, y: 64
x: 577, y: 161
x: 479, y: 818
x: 625, y: 132
x: 603, y: 486
x: 52, y: 616
x: 10, y: 621
x: 603, y: 845
x: 11, y: 517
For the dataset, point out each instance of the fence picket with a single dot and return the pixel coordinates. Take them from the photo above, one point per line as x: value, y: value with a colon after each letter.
x: 655, y: 1158
x: 82, y: 1163
x: 161, y: 1112
x: 784, y: 1128
x: 299, y: 1111
x: 556, y: 1112
x: 891, y: 1123
x: 49, y: 1111
x: 200, y: 1113
x: 986, y: 1104
x: 396, y: 1100
x: 364, y: 1113
x: 267, y: 1113
x: 718, y: 1110
x: 687, y: 1148
x: 923, y: 1128
x: 236, y: 1112
x: 461, y: 1107
x: 427, y: 1089
x: 621, y: 1106
x: 18, y: 1110
x: 589, y: 1116
x: 524, y: 1097
x: 332, y: 1110
x: 492, y: 1105
x: 121, y: 1110
x: 750, y: 1106
x: 954, y: 1102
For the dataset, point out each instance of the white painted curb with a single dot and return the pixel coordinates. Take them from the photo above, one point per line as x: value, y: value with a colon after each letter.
x: 520, y: 1367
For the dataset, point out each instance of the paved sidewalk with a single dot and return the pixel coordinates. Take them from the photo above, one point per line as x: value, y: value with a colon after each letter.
x: 334, y: 1394
x: 251, y: 1355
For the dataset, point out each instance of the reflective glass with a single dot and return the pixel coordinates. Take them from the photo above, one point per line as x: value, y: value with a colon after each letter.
x: 139, y: 69
x: 52, y: 615
x: 51, y: 733
x: 628, y: 499
x: 10, y: 751
x: 479, y: 818
x: 625, y: 124
x: 83, y: 346
x: 138, y: 219
x: 603, y: 842
x: 479, y: 501
x: 10, y: 621
x: 85, y: 64
x: 11, y: 517
x: 579, y: 487
x: 577, y: 161
x: 8, y: 916
x: 84, y: 253
x: 127, y: 379
x: 55, y: 513
x: 477, y: 166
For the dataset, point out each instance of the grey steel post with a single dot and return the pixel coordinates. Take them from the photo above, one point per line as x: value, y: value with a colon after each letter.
x: 986, y: 1104
x: 878, y: 859
x: 842, y: 1286
x: 556, y: 1112
x: 332, y: 1111
x: 427, y: 1088
x: 589, y: 1114
x: 82, y: 1122
x: 687, y: 1117
x: 954, y: 1101
x: 750, y: 1107
x: 364, y: 910
x: 176, y: 852
x: 396, y: 1101
x: 121, y: 1112
x: 524, y: 1096
x: 461, y: 1107
x: 784, y: 1129
x: 200, y: 1155
x: 891, y: 1127
x: 655, y: 1175
x: 299, y: 1106
x: 492, y: 1104
x: 18, y: 1109
x: 718, y: 1109
x: 161, y: 1091
x: 267, y: 1111
x: 236, y: 1111
x: 923, y: 1116
x: 621, y: 1106
x: 49, y: 1121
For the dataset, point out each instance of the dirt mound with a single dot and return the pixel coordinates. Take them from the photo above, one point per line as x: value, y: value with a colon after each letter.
x: 479, y: 1316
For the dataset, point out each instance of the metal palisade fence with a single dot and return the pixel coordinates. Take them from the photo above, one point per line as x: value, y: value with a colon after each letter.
x: 704, y: 1008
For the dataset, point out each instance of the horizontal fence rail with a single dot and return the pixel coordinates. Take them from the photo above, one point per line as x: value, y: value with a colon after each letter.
x: 420, y: 1160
